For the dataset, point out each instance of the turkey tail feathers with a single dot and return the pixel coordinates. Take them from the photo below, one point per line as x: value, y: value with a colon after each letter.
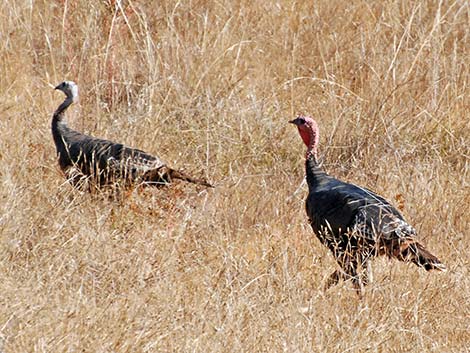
x: 416, y: 253
x: 174, y: 174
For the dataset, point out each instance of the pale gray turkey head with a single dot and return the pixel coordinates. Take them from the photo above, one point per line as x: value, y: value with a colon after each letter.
x: 70, y: 89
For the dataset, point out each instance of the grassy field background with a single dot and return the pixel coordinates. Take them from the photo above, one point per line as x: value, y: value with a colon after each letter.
x: 209, y: 87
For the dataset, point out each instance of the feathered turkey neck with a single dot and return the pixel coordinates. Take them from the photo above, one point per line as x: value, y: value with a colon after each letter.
x: 59, y: 125
x: 59, y: 113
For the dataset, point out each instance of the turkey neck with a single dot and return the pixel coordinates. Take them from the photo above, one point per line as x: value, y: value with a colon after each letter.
x: 59, y: 126
x: 314, y: 173
x: 59, y: 113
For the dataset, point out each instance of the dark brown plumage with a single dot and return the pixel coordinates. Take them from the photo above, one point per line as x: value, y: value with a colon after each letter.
x: 353, y: 222
x: 105, y: 161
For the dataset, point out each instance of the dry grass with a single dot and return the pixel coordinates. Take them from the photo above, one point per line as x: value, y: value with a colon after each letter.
x: 209, y: 86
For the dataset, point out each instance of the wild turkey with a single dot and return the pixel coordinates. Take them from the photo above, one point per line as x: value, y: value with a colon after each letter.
x: 353, y: 222
x: 105, y: 161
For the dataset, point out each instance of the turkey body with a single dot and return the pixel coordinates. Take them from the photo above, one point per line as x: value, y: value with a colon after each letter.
x: 355, y: 223
x: 105, y: 162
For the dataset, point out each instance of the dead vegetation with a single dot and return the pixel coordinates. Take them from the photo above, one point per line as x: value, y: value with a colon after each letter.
x: 210, y: 86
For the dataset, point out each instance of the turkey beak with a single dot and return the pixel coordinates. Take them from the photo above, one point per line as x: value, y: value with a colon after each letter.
x: 295, y: 121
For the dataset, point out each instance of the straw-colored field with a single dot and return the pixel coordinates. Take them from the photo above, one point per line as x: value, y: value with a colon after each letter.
x: 209, y: 87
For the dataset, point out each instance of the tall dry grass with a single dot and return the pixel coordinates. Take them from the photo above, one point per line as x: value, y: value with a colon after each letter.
x: 209, y: 87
